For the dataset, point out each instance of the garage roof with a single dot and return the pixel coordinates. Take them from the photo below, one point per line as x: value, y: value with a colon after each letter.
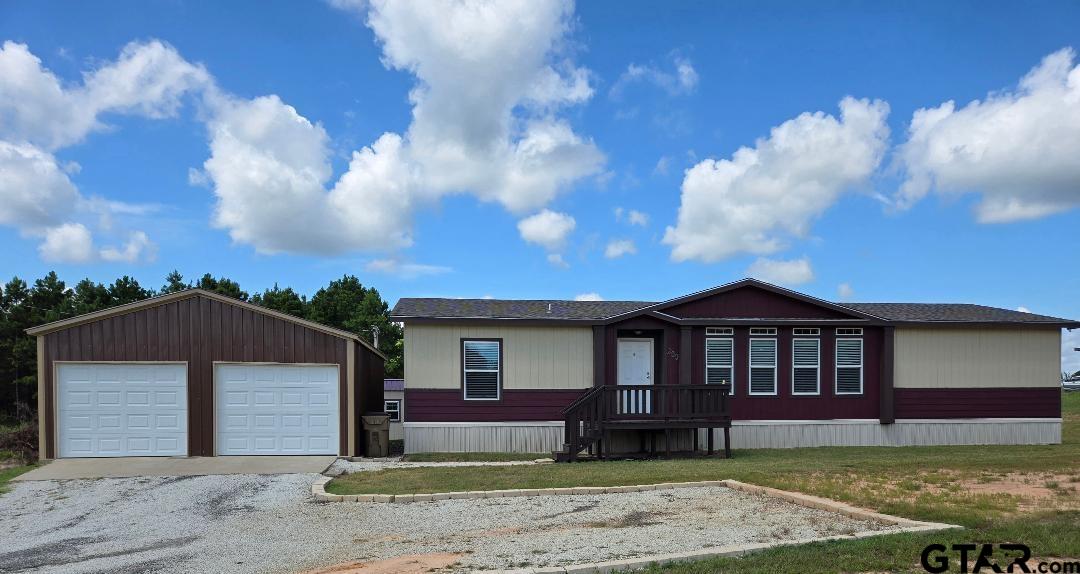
x: 188, y: 293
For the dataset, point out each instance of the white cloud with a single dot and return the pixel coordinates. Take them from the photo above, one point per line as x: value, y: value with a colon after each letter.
x: 147, y: 79
x: 632, y: 216
x: 138, y: 248
x: 662, y: 166
x: 680, y: 80
x: 491, y: 79
x: 556, y: 259
x: 592, y: 296
x: 40, y: 116
x: 404, y: 270
x: 548, y: 229
x: 1018, y: 148
x: 781, y: 272
x: 34, y: 191
x: 1023, y: 309
x: 753, y: 202
x: 618, y: 247
x: 845, y: 291
x: 1070, y: 358
x: 67, y: 243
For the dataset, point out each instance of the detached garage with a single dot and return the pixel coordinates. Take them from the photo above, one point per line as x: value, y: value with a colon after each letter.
x: 196, y: 373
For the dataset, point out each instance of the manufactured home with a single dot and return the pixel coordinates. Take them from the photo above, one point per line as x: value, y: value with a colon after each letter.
x: 757, y: 364
x: 195, y: 373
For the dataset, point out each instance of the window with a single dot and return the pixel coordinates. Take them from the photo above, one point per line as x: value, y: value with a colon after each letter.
x: 762, y: 366
x: 393, y: 408
x: 720, y: 362
x: 849, y: 331
x: 482, y: 369
x: 763, y: 330
x: 710, y: 331
x: 849, y: 367
x: 806, y: 331
x: 805, y: 366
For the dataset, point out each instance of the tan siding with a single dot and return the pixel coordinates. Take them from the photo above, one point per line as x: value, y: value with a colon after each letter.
x: 534, y: 357
x: 968, y: 358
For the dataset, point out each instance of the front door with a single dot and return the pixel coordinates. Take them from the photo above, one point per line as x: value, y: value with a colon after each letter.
x: 635, y: 367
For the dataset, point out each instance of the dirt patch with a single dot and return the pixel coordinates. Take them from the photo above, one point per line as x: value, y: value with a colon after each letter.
x: 411, y: 564
x: 1020, y: 484
x: 633, y: 519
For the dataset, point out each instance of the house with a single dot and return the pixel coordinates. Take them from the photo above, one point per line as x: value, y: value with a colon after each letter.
x: 796, y: 371
x: 195, y: 373
x: 394, y: 405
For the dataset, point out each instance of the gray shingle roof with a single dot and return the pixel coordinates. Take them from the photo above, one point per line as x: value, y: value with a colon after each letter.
x: 596, y: 310
x: 955, y: 312
x: 513, y: 309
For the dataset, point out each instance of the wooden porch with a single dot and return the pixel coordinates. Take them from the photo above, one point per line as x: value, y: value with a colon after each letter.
x: 647, y: 409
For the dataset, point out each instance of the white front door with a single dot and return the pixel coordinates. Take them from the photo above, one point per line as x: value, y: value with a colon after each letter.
x: 635, y: 367
x: 276, y: 409
x: 117, y: 409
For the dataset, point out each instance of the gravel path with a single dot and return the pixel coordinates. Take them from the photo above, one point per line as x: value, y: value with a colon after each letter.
x: 369, y: 464
x: 249, y: 523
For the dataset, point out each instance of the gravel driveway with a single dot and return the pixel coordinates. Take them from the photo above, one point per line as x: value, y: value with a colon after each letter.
x: 250, y: 523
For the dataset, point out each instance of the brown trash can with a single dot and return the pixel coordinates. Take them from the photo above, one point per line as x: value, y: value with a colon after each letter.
x: 377, y: 433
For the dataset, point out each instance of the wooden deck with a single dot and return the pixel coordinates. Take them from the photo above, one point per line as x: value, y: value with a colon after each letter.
x: 648, y: 409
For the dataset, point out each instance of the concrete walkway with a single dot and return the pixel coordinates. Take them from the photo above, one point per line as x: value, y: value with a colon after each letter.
x: 130, y: 467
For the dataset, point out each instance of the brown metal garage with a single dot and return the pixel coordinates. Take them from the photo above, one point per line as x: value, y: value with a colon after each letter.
x: 197, y: 373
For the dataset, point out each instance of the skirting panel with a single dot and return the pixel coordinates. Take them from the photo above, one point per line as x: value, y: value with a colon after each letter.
x: 533, y: 436
x: 904, y: 432
x: 544, y: 437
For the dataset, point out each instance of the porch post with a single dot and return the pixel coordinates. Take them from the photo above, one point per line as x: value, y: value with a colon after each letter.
x: 686, y: 355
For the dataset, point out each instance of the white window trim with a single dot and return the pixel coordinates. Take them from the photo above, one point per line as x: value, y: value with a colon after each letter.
x: 751, y: 366
x: 837, y: 366
x: 719, y: 331
x: 855, y: 332
x: 808, y: 332
x: 465, y: 370
x: 731, y: 366
x: 763, y: 331
x: 398, y: 411
x: 816, y: 367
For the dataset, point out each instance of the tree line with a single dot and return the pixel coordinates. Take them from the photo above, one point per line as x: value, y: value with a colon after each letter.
x: 345, y: 304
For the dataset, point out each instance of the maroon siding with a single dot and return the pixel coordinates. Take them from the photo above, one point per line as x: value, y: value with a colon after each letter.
x: 978, y: 403
x: 199, y: 331
x: 783, y: 406
x: 448, y: 405
x: 752, y: 302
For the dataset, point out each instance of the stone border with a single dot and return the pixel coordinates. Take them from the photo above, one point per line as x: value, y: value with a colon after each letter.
x: 318, y: 489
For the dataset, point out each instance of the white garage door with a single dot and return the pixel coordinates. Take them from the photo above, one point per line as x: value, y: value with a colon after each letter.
x: 276, y: 409
x: 122, y: 409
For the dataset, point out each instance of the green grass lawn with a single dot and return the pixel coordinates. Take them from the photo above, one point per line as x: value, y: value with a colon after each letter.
x: 474, y: 456
x: 1027, y: 494
x: 6, y: 474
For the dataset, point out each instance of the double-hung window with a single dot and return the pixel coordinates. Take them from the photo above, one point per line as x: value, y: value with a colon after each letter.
x: 393, y: 408
x: 762, y: 366
x: 481, y: 364
x: 849, y: 366
x: 720, y: 361
x: 805, y: 366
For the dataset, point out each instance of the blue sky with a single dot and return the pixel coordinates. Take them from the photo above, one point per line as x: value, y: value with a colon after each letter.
x: 169, y: 153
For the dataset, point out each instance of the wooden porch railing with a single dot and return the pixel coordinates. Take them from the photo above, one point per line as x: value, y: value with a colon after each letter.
x: 642, y: 407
